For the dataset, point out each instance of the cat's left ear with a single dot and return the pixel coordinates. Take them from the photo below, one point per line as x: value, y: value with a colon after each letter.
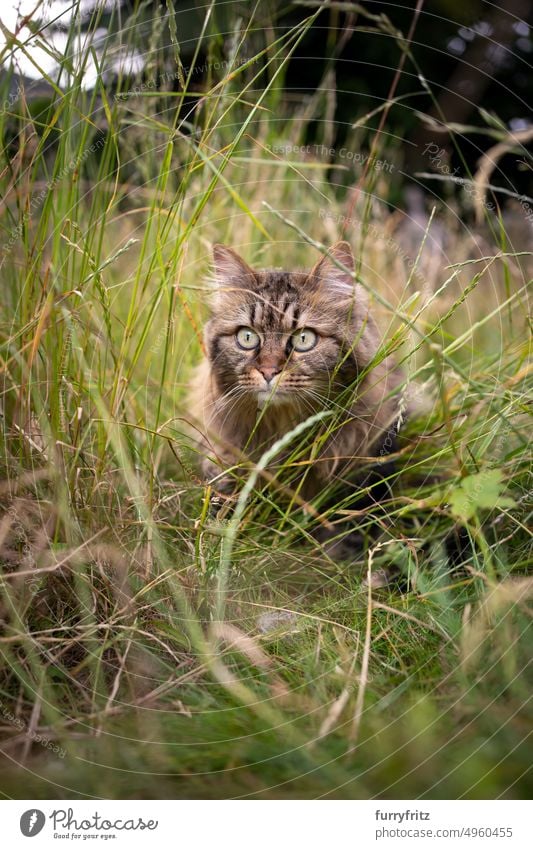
x: 327, y: 275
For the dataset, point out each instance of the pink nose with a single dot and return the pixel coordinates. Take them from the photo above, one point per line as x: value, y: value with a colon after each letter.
x: 269, y: 373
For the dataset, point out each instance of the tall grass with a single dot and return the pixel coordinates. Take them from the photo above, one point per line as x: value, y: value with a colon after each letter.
x: 230, y: 656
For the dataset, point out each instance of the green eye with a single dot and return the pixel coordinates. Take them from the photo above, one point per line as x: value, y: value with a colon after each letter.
x: 247, y: 338
x: 304, y: 339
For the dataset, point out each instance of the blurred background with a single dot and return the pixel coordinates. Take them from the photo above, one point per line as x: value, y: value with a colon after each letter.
x: 470, y: 68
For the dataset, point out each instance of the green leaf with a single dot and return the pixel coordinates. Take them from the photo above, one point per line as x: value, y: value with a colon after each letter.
x: 479, y: 492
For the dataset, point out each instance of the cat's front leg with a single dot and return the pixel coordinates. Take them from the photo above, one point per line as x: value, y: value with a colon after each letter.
x: 342, y: 541
x: 367, y: 491
x: 223, y: 485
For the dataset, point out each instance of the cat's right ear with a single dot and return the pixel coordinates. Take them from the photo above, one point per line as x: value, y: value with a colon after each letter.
x: 327, y: 275
x: 231, y: 271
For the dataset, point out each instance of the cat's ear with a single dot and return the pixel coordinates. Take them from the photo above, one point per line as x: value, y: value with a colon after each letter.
x: 231, y: 271
x: 327, y: 275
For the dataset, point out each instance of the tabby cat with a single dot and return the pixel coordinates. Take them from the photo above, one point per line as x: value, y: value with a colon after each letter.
x: 282, y: 345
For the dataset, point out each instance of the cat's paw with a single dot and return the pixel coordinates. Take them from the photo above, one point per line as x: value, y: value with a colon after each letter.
x: 220, y: 504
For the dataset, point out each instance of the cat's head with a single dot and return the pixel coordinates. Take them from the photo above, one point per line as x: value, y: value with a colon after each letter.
x: 285, y: 336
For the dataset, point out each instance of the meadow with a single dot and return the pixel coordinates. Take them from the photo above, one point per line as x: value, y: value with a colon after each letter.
x: 151, y: 649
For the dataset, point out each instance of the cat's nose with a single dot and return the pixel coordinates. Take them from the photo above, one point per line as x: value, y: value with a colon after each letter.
x: 269, y: 372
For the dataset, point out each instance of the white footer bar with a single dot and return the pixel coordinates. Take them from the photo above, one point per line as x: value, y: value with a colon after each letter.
x: 267, y: 824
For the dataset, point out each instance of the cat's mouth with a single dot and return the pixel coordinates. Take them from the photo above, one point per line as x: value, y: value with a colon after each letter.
x: 270, y: 395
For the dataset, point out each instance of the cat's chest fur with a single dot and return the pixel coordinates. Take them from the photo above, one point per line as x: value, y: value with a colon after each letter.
x: 257, y: 431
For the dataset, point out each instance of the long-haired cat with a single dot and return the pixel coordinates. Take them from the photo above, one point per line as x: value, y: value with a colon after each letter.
x: 282, y: 345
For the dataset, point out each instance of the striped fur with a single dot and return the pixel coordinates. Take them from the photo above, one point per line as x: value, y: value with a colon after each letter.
x: 241, y: 415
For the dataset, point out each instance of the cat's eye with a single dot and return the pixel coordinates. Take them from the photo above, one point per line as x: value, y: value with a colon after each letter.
x: 304, y: 339
x: 247, y: 338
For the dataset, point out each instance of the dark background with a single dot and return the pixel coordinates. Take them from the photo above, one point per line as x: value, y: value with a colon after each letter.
x: 470, y: 68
